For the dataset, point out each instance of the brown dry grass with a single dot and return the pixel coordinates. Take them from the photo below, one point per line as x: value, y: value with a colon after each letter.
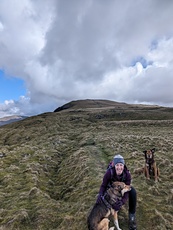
x: 55, y: 162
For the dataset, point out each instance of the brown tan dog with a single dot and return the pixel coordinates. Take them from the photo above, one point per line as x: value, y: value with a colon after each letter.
x: 98, y: 218
x: 150, y: 167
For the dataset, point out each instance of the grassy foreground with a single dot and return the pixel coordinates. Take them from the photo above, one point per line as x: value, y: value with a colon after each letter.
x: 51, y: 168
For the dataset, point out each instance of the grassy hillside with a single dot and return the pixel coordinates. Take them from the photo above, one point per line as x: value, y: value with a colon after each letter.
x: 52, y: 166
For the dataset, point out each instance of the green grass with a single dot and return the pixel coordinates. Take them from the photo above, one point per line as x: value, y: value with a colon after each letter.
x: 55, y: 162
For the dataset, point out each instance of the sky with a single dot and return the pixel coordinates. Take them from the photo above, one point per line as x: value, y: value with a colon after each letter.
x: 56, y: 51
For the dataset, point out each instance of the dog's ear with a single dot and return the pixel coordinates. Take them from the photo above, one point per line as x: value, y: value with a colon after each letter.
x: 144, y: 151
x: 153, y: 150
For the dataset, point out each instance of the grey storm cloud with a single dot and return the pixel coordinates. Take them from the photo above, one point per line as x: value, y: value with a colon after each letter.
x: 68, y: 50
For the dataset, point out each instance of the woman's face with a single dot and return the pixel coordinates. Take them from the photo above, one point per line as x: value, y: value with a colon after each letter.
x: 119, y: 168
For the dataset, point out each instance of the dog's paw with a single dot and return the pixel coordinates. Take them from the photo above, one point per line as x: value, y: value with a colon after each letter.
x: 112, y: 228
x: 115, y: 228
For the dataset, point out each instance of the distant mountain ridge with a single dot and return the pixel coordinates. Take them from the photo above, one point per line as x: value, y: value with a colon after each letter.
x: 89, y: 103
x: 10, y: 119
x: 99, y: 109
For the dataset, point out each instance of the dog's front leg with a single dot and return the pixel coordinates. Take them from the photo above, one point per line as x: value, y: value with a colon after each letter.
x: 115, y: 216
x: 147, y: 171
x: 117, y: 225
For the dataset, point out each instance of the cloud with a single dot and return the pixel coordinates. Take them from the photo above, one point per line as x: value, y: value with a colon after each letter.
x: 64, y: 51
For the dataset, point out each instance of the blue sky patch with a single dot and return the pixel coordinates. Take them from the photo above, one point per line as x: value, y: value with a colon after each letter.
x: 143, y: 62
x: 11, y: 88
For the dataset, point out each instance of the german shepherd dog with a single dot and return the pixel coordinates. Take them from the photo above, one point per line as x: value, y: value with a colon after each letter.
x: 150, y: 168
x: 98, y: 218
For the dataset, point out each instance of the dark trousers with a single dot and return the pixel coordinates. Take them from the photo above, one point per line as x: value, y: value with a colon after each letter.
x: 132, y: 200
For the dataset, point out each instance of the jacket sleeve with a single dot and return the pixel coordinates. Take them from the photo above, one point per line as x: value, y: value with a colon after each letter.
x: 105, y: 182
x: 128, y: 178
x: 125, y: 197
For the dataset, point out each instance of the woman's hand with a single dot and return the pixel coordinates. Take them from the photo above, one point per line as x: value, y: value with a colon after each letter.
x: 117, y: 205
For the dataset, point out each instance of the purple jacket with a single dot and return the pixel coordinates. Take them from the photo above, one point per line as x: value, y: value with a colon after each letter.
x: 111, y: 176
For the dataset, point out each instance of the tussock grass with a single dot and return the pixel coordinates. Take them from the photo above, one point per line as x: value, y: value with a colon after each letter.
x: 54, y: 164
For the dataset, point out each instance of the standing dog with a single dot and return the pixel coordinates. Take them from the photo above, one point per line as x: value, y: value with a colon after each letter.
x: 98, y: 218
x: 150, y: 167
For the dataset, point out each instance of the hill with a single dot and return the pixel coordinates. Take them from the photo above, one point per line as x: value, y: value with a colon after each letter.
x: 98, y: 109
x: 52, y: 165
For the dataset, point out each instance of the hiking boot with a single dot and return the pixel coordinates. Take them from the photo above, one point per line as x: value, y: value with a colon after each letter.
x: 132, y: 222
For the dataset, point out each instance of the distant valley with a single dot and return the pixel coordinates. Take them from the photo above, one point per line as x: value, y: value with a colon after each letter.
x: 10, y: 119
